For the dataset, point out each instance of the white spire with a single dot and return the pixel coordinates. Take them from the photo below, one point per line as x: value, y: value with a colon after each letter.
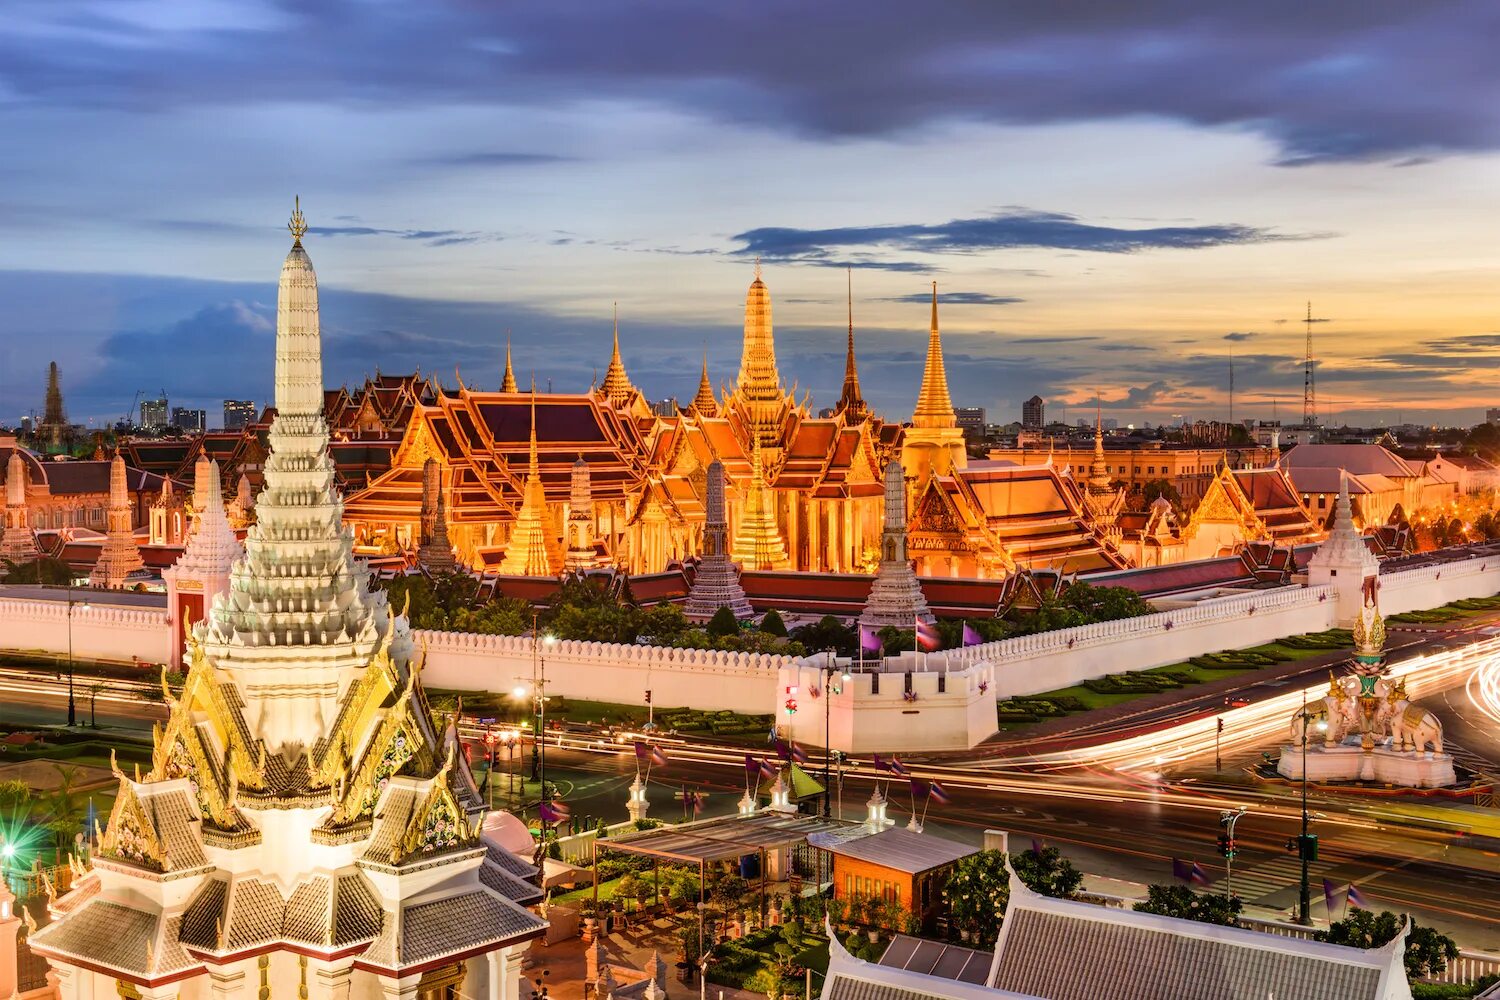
x: 298, y: 611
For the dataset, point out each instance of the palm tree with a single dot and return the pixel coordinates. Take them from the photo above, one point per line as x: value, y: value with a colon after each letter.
x: 94, y: 689
x: 65, y: 806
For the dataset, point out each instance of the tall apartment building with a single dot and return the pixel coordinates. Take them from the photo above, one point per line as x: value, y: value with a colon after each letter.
x: 1034, y: 413
x: 154, y: 413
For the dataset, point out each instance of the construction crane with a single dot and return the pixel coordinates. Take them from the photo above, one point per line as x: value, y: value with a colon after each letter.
x: 129, y: 417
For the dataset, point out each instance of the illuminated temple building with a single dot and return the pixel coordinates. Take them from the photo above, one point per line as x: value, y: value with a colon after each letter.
x: 308, y: 826
x: 598, y: 479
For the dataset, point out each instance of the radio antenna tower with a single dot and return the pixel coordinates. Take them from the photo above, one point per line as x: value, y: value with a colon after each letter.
x: 1309, y: 380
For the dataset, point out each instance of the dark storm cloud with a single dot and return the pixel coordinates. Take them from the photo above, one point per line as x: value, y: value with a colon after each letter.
x: 1238, y: 337
x: 1381, y: 80
x: 958, y: 298
x: 1006, y: 230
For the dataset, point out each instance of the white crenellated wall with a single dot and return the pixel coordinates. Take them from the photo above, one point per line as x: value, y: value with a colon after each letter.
x: 604, y: 671
x: 1030, y: 664
x: 950, y: 708
x: 1436, y: 585
x: 99, y: 631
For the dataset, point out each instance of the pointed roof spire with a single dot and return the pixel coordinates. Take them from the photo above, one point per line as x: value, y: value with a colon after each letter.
x: 617, y: 387
x: 934, y: 405
x: 298, y: 225
x: 508, y: 382
x: 534, y: 468
x: 851, y: 402
x: 703, y: 403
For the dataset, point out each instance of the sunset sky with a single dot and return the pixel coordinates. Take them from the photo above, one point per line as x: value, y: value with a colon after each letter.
x: 1106, y: 199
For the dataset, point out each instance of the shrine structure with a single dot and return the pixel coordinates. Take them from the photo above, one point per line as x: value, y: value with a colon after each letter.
x: 308, y: 825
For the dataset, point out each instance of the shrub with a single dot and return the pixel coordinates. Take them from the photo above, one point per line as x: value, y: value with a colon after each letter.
x: 1185, y: 904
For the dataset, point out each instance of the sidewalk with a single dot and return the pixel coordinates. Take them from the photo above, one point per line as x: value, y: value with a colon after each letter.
x: 564, y: 963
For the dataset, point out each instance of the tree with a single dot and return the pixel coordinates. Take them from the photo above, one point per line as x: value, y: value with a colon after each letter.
x: 64, y: 806
x: 723, y: 624
x: 979, y: 888
x: 772, y: 624
x: 1427, y: 951
x: 827, y: 633
x: 628, y: 889
x: 1153, y: 489
x: 47, y: 571
x: 1105, y: 604
x: 94, y: 689
x: 1185, y: 904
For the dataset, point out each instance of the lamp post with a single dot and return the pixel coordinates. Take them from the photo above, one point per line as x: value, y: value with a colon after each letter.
x: 1304, y: 896
x: 828, y: 692
x: 72, y: 701
x: 538, y: 706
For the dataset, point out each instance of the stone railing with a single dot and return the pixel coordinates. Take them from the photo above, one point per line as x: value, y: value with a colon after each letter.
x: 605, y: 671
x: 1212, y: 612
x: 1431, y: 586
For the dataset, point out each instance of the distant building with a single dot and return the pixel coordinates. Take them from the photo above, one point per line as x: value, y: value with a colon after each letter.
x: 238, y: 413
x: 26, y: 424
x: 1034, y: 413
x: 189, y: 420
x: 154, y: 413
x: 665, y: 407
x: 1492, y: 416
x: 970, y: 420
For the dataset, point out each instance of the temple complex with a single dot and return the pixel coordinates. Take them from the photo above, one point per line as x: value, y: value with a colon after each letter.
x: 120, y: 556
x: 201, y: 573
x: 307, y: 826
x: 18, y: 543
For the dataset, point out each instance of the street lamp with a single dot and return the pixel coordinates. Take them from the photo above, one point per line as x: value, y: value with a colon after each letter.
x: 539, y: 704
x: 1306, y: 840
x: 72, y: 701
x: 828, y: 692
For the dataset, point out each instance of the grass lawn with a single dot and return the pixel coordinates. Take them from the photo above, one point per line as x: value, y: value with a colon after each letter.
x: 1080, y: 698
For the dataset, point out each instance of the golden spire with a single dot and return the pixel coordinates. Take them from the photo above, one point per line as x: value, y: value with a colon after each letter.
x: 298, y: 225
x: 534, y: 468
x: 934, y: 405
x: 703, y: 403
x: 1099, y: 474
x: 757, y: 392
x: 532, y: 550
x: 851, y: 402
x: 758, y: 544
x: 617, y: 387
x: 508, y: 383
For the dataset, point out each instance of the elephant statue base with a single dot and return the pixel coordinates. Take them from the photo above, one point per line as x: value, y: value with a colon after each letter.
x: 1385, y: 764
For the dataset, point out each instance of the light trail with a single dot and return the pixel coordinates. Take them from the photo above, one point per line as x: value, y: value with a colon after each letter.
x: 1252, y: 725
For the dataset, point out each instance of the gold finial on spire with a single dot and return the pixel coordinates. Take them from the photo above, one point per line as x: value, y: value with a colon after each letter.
x: 757, y: 267
x: 298, y: 225
x: 851, y: 402
x: 508, y: 380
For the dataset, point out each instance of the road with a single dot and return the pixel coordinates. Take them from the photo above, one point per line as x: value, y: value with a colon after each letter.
x: 1111, y: 825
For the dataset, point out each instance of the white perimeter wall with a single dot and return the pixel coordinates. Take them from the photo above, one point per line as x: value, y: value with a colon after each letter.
x: 1031, y: 664
x: 99, y: 631
x: 1434, y: 586
x: 605, y: 671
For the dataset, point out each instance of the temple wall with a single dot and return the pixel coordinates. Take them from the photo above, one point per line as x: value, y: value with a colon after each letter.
x: 99, y: 631
x: 604, y: 671
x: 1432, y: 586
x: 1031, y: 664
x: 946, y: 710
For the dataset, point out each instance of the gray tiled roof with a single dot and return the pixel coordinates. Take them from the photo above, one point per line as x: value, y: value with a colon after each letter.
x: 307, y: 912
x: 117, y: 937
x: 356, y: 910
x: 515, y: 889
x: 904, y: 850
x: 392, y: 816
x: 200, y: 921
x: 843, y: 987
x: 173, y: 817
x: 510, y: 862
x: 433, y: 930
x: 1066, y: 957
x: 256, y: 911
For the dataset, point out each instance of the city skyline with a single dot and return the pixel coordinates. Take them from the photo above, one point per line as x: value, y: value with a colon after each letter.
x: 1129, y: 227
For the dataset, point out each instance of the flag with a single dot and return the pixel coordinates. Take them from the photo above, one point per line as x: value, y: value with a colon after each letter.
x: 1328, y: 894
x: 1181, y: 870
x: 1355, y: 898
x: 971, y: 635
x: 642, y: 750
x: 695, y: 800
x: 928, y: 638
x: 752, y: 766
x: 783, y: 749
x: 552, y: 813
x: 1036, y: 847
x: 658, y: 757
x: 869, y: 639
x: 881, y: 764
x: 766, y: 770
x: 918, y: 789
x: 1197, y: 876
x: 798, y: 754
x: 938, y: 794
x: 896, y: 767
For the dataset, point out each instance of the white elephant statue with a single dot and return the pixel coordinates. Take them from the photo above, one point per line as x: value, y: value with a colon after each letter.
x: 1414, y: 727
x: 1318, y: 727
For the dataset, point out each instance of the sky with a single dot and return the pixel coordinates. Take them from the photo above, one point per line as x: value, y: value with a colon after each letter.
x: 1118, y: 202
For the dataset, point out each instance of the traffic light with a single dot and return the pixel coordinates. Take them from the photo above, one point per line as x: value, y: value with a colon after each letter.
x: 791, y: 706
x: 1227, y: 846
x: 648, y: 696
x: 1304, y: 845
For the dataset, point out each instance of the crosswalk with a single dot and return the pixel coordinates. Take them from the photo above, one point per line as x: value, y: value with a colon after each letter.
x: 1275, y: 883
